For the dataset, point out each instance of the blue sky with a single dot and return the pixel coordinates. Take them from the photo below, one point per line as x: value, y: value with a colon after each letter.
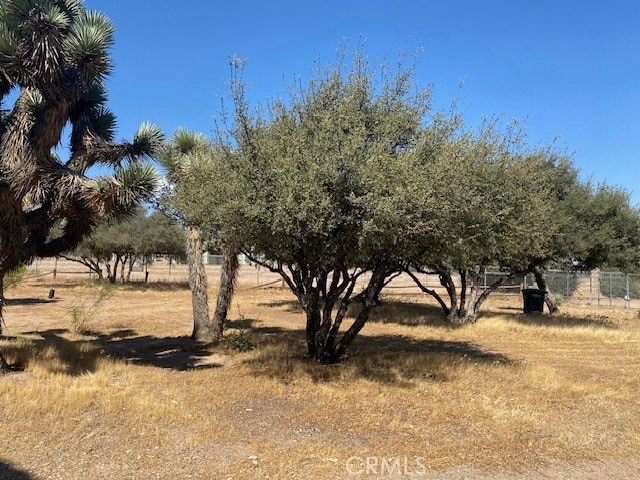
x: 572, y: 68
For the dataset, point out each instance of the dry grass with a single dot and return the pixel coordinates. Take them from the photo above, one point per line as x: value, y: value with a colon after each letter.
x: 512, y: 396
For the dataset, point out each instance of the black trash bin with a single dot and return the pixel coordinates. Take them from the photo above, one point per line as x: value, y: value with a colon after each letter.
x: 533, y: 300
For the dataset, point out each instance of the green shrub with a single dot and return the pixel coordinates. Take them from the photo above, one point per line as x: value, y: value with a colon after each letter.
x: 14, y: 277
x: 86, y: 306
x: 242, y: 341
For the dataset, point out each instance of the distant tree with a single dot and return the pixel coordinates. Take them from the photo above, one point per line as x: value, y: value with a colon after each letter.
x: 113, y: 244
x: 55, y: 55
x: 489, y: 202
x: 606, y: 229
x: 302, y: 186
x: 597, y: 228
x: 117, y: 246
x: 160, y: 234
x: 192, y: 164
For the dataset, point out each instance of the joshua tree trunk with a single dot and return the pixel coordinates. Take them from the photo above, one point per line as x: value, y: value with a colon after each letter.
x: 4, y: 366
x: 203, y: 329
x: 228, y: 276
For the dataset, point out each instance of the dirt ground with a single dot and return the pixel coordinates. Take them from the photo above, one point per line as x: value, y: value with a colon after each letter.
x: 113, y: 388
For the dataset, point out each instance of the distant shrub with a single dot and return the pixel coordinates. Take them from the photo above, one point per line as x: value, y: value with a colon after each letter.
x: 87, y: 306
x: 14, y: 277
x: 243, y: 341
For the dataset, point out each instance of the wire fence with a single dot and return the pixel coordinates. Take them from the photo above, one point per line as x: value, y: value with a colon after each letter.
x: 612, y: 289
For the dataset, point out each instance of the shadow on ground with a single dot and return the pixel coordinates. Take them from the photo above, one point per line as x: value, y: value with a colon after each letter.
x: 175, y: 353
x: 29, y: 301
x: 80, y: 356
x: 390, y: 359
x: 280, y: 352
x: 399, y: 312
x: 7, y: 472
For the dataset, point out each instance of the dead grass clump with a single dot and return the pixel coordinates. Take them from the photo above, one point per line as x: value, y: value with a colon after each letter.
x: 400, y: 312
x: 155, y: 286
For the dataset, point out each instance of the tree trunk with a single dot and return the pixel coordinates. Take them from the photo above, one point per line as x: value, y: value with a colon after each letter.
x: 98, y: 271
x: 2, y: 301
x: 91, y: 264
x: 311, y: 306
x: 132, y: 260
x: 4, y: 366
x: 123, y: 264
x: 471, y: 308
x: 461, y: 307
x: 432, y: 292
x: 376, y: 283
x: 202, y: 328
x: 112, y: 272
x: 541, y: 281
x: 444, y: 275
x: 228, y: 274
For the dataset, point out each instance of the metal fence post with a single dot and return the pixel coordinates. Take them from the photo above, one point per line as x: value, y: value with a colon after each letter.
x: 628, y: 296
x: 610, y: 290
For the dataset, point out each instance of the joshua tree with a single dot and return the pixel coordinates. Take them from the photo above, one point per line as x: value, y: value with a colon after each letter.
x: 191, y: 162
x: 55, y: 55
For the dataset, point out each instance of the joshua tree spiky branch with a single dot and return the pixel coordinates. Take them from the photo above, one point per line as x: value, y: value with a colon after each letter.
x: 55, y: 53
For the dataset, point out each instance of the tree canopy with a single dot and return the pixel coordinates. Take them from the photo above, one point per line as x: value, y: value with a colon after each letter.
x: 353, y: 179
x: 135, y: 238
x: 309, y: 191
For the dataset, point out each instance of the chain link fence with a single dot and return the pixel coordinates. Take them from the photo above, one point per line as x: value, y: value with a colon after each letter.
x: 613, y: 289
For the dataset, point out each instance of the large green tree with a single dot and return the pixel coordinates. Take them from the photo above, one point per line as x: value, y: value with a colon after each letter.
x: 303, y: 191
x: 489, y: 203
x: 55, y: 55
